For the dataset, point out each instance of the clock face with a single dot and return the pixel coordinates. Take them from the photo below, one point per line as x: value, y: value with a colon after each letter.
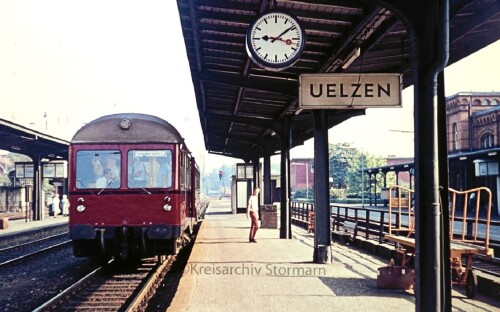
x: 275, y: 40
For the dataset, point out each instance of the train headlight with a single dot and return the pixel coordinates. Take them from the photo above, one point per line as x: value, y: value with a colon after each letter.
x: 167, y: 206
x: 125, y: 123
x: 80, y: 208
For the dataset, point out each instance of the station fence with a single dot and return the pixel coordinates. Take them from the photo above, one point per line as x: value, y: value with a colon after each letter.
x: 374, y: 222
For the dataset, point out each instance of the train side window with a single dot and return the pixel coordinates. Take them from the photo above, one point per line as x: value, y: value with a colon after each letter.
x: 149, y: 169
x: 97, y: 169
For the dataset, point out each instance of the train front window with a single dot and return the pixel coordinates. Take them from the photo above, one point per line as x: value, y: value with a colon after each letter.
x: 149, y: 169
x: 98, y: 169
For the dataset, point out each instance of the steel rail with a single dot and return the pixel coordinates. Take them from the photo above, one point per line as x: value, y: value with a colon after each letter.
x: 30, y: 255
x: 146, y: 292
x: 67, y: 292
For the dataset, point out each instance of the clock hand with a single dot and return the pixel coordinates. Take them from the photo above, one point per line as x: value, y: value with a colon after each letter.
x: 287, y: 41
x: 284, y: 32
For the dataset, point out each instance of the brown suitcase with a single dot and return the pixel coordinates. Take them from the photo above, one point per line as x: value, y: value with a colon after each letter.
x: 4, y: 223
x: 395, y: 277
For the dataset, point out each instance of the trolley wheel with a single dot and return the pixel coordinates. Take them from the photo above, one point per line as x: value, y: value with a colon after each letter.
x: 471, y: 285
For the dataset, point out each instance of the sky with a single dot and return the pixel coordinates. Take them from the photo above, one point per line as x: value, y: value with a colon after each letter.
x: 64, y: 63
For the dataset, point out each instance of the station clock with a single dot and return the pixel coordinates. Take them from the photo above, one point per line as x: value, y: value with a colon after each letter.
x: 275, y: 40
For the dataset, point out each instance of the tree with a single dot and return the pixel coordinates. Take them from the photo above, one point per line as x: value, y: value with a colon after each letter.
x: 346, y: 164
x: 7, y: 163
x: 341, y: 161
x: 361, y: 161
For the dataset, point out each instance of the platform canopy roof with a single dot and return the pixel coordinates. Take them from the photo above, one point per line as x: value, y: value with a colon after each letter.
x: 19, y: 139
x: 242, y: 107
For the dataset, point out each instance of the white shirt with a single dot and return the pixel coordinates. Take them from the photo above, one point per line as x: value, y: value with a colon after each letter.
x: 253, y: 203
x: 101, y: 182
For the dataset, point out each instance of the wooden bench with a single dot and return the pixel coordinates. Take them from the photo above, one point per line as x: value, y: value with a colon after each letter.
x: 348, y: 232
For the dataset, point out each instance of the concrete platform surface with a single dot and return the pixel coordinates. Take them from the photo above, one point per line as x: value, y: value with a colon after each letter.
x: 20, y: 225
x: 227, y: 273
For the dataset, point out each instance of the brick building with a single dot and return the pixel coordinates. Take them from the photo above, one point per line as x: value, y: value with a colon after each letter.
x: 472, y: 121
x: 403, y: 176
x: 473, y: 144
x: 301, y: 174
x: 473, y: 134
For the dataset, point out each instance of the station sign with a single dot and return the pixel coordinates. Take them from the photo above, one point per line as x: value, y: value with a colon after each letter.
x: 244, y: 171
x: 485, y: 168
x: 57, y: 169
x: 344, y: 91
x: 24, y: 170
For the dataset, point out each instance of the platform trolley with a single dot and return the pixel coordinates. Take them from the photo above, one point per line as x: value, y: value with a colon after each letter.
x: 470, y: 216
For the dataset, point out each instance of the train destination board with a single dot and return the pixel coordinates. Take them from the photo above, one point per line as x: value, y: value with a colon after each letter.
x: 341, y: 91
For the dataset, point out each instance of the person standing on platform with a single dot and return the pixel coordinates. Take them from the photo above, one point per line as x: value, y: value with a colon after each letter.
x: 55, y: 204
x: 65, y: 205
x: 253, y: 213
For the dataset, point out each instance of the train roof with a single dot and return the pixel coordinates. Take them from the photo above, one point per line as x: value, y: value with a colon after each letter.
x: 127, y: 128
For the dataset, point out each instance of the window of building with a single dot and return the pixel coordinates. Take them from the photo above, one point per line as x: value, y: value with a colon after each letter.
x: 487, y: 140
x: 455, y: 137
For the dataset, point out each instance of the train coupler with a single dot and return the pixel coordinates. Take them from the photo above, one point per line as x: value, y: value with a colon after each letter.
x: 124, y: 243
x: 101, y: 242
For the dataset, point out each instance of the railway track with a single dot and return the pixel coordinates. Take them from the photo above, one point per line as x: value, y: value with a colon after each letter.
x: 14, y: 254
x: 487, y: 265
x: 113, y: 287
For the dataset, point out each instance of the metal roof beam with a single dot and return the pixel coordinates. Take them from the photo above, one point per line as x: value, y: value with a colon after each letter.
x: 269, y: 85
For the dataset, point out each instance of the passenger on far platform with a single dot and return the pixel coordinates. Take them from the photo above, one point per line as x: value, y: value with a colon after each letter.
x: 55, y: 204
x: 253, y: 213
x: 65, y: 205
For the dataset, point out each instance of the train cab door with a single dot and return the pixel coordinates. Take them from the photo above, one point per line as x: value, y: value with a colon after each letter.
x: 186, y: 181
x: 194, y: 192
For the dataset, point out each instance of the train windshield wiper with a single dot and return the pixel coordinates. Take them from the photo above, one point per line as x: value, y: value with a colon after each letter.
x: 105, y: 187
x: 149, y: 193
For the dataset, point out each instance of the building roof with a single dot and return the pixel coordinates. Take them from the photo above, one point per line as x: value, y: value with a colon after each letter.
x: 19, y: 139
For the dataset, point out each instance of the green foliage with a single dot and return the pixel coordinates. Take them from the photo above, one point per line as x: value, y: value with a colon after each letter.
x: 304, y: 194
x: 19, y: 157
x: 8, y: 164
x: 337, y: 193
x: 4, y: 180
x: 346, y: 164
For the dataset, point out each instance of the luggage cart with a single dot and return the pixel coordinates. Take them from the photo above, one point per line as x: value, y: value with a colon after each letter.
x: 467, y: 219
x: 470, y: 215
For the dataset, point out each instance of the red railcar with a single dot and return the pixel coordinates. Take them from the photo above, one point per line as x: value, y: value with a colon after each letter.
x: 133, y: 187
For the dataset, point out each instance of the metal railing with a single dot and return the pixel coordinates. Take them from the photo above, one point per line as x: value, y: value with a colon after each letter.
x: 374, y: 222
